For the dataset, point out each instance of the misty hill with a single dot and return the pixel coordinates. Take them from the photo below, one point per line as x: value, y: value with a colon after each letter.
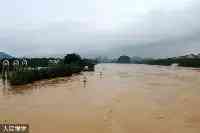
x: 136, y: 59
x: 151, y: 50
x: 4, y: 55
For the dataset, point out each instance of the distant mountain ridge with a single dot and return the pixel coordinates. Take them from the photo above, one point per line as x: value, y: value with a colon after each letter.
x: 4, y: 55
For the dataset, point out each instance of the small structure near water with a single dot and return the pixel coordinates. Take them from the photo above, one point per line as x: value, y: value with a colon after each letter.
x: 5, y: 69
x: 11, y: 64
x: 16, y: 64
x: 54, y: 61
x: 174, y: 65
x: 86, y: 68
x: 24, y: 62
x: 7, y: 65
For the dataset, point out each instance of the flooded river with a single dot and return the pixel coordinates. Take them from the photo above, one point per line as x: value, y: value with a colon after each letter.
x: 116, y: 98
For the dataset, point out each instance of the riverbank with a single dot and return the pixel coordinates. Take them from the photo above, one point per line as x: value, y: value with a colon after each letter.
x: 25, y: 76
x: 71, y: 64
x: 184, y: 62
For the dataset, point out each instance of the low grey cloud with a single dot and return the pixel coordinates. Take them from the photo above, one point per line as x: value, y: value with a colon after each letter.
x: 143, y: 28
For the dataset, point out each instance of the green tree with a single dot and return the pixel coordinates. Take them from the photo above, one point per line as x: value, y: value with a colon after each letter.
x: 124, y: 59
x: 72, y: 58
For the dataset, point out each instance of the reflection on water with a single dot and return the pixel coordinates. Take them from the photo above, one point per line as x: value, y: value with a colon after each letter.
x: 118, y: 98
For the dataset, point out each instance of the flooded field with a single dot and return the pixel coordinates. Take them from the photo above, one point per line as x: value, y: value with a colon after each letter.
x: 116, y: 98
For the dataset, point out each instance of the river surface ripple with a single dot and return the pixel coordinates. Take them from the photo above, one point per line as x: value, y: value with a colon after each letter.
x: 116, y: 98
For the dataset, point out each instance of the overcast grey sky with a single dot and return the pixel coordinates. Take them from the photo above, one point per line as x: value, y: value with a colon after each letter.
x: 147, y: 28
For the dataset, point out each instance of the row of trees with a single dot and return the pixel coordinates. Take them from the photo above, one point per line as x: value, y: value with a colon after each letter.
x: 185, y: 62
x: 46, y: 62
x: 40, y: 69
x: 77, y: 60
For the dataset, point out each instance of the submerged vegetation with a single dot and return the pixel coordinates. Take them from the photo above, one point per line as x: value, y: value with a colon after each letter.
x: 37, y: 69
x: 27, y: 76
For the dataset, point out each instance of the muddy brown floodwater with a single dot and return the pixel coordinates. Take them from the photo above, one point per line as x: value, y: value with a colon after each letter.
x: 116, y: 98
